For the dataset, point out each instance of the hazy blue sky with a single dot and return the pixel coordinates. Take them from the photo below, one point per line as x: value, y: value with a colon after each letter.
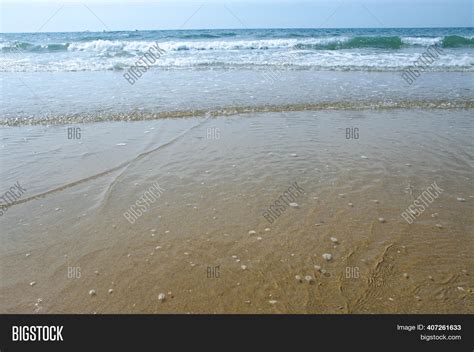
x: 37, y: 15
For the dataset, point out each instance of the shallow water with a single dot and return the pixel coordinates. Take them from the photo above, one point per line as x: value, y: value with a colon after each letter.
x: 65, y: 97
x: 216, y: 190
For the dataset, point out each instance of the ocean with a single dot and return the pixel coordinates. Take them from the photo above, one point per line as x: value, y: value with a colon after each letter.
x: 227, y: 70
x: 317, y: 49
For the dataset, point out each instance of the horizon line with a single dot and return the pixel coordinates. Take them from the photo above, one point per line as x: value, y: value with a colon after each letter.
x: 238, y: 29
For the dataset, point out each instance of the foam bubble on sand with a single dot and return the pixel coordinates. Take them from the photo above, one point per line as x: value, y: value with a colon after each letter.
x: 327, y: 256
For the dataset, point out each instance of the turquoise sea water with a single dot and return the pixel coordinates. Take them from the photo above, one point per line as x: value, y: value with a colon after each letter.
x: 329, y: 49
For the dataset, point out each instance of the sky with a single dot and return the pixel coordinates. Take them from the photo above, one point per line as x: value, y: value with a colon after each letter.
x: 100, y: 15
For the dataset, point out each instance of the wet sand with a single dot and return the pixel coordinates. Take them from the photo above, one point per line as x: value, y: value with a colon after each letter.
x: 219, y: 175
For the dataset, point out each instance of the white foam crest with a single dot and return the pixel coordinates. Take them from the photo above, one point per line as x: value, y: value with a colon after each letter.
x: 111, y: 46
x: 247, y: 44
x: 424, y: 41
x: 142, y: 46
x: 327, y: 60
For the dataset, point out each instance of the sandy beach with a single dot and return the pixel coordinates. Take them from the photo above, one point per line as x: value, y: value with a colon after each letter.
x: 204, y: 242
